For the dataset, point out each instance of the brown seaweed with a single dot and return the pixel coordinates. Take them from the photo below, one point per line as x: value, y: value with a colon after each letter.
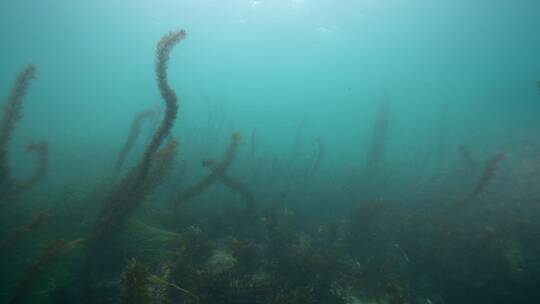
x: 214, y: 175
x: 318, y: 156
x: 133, y: 134
x: 49, y: 254
x: 10, y: 116
x: 126, y: 197
x: 236, y: 185
x: 489, y: 172
x: 42, y: 151
x: 378, y: 139
x: 23, y: 230
x: 466, y: 158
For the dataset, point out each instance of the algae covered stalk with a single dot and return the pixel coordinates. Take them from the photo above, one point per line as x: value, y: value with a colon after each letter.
x: 133, y: 134
x: 216, y: 173
x: 378, y: 139
x: 127, y: 196
x: 11, y: 114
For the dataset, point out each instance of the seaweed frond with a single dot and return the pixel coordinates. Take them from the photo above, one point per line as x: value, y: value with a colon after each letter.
x: 236, y: 185
x: 127, y: 196
x: 42, y: 151
x: 163, y: 51
x: 133, y: 134
x: 214, y: 175
x: 162, y: 165
x: 10, y: 115
x: 49, y: 254
x: 378, y: 138
x: 20, y: 232
x: 466, y: 157
x: 489, y: 172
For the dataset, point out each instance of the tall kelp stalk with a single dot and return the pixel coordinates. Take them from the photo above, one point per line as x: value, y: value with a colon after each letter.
x: 215, y: 174
x: 253, y: 147
x: 442, y: 137
x: 127, y: 196
x: 163, y: 164
x: 23, y: 230
x: 235, y: 185
x: 133, y: 134
x: 490, y: 169
x: 466, y: 158
x: 42, y: 151
x: 489, y: 172
x: 318, y: 156
x: 48, y: 255
x: 10, y: 116
x: 378, y: 139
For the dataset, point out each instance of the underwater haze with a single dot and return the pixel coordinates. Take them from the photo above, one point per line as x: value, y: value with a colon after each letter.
x: 270, y: 151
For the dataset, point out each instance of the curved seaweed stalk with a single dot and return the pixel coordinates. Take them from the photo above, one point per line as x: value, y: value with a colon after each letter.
x: 318, y: 156
x: 466, y: 157
x: 378, y: 139
x: 214, y: 175
x: 159, y: 280
x: 235, y: 185
x: 42, y: 151
x: 163, y: 164
x: 127, y: 196
x: 10, y: 116
x: 20, y: 232
x: 489, y: 171
x: 48, y: 255
x: 133, y: 134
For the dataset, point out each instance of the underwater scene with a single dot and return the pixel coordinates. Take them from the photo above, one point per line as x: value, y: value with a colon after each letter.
x: 270, y: 151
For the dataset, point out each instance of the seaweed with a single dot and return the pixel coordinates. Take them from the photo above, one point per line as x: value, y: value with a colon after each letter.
x: 378, y: 139
x: 127, y: 196
x: 489, y: 172
x: 49, y: 254
x: 133, y: 134
x: 253, y: 145
x: 236, y: 185
x: 136, y: 281
x: 215, y: 174
x: 139, y: 285
x: 42, y: 151
x: 10, y: 117
x: 466, y: 158
x: 20, y: 232
x: 442, y: 136
x: 163, y: 164
x: 318, y: 156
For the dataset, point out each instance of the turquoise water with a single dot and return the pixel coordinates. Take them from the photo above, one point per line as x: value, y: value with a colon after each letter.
x: 305, y: 85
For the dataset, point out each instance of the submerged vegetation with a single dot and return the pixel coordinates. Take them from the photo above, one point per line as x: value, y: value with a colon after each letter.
x: 158, y: 233
x: 12, y: 112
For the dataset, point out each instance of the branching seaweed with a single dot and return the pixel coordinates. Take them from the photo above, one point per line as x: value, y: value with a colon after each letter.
x: 10, y: 117
x: 378, y: 139
x: 163, y: 164
x: 126, y: 197
x: 214, y: 175
x: 133, y: 134
x: 318, y: 156
x: 466, y: 158
x: 42, y: 151
x: 48, y: 255
x: 489, y: 172
x: 235, y: 185
x: 20, y: 232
